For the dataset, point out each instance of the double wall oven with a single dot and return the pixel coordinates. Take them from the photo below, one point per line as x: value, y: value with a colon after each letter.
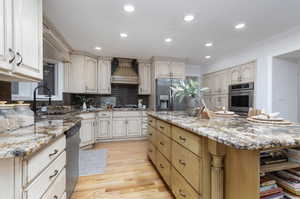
x: 241, y: 98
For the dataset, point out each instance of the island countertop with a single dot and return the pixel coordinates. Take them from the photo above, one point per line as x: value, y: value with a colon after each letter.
x: 28, y: 140
x: 237, y: 132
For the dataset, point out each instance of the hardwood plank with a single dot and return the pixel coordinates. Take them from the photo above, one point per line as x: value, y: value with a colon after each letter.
x: 129, y: 175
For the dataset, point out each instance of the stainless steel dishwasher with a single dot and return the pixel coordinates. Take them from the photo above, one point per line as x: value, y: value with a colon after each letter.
x: 72, y: 152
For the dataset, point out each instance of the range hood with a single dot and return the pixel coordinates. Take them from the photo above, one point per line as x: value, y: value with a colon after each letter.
x: 124, y: 71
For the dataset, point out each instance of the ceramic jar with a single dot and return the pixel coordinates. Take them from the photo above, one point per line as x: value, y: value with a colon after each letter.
x: 25, y: 116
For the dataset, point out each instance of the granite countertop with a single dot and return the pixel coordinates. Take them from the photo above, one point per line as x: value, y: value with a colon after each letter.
x: 26, y: 141
x: 237, y: 132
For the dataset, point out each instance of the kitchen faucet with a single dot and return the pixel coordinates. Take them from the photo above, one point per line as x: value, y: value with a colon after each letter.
x: 34, y: 97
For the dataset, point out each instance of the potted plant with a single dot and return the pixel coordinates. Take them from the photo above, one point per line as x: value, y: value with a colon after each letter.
x: 190, y: 91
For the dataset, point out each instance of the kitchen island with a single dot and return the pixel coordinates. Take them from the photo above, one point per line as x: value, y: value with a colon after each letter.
x: 33, y: 159
x: 217, y: 158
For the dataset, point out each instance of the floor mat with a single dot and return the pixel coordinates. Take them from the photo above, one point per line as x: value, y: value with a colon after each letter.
x: 92, y: 162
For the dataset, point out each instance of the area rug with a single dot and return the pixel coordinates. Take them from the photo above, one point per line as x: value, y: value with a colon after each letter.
x: 92, y: 162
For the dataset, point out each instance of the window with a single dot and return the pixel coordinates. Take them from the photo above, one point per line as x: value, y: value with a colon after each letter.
x: 53, y: 79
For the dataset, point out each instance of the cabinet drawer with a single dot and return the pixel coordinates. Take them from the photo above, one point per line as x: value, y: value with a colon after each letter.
x: 126, y: 114
x: 87, y: 116
x: 57, y: 190
x: 33, y: 166
x: 152, y: 122
x: 152, y: 153
x: 164, y: 167
x: 163, y: 143
x: 104, y: 114
x: 188, y: 164
x: 47, y: 177
x: 190, y: 141
x: 180, y: 188
x: 152, y: 135
x: 164, y: 127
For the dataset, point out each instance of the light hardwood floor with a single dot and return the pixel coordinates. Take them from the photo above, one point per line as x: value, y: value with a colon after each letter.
x: 129, y: 175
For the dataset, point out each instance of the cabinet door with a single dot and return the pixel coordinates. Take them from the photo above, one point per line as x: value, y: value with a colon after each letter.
x: 235, y: 75
x: 177, y: 70
x: 103, y: 131
x: 5, y: 34
x: 87, y: 131
x: 28, y: 38
x: 76, y: 78
x: 248, y: 72
x: 66, y: 77
x: 104, y: 77
x: 145, y: 79
x: 162, y: 69
x: 222, y: 81
x: 119, y: 127
x: 90, y: 75
x: 133, y: 127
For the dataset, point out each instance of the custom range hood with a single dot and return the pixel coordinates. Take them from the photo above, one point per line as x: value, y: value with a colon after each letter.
x: 124, y: 71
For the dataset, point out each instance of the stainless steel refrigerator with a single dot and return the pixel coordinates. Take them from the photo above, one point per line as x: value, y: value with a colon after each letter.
x: 165, y: 100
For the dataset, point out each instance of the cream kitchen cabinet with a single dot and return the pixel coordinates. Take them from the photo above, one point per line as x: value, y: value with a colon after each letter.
x: 103, y: 128
x: 133, y: 127
x: 221, y: 82
x: 144, y: 78
x: 6, y: 54
x: 104, y: 76
x: 90, y: 75
x: 177, y: 70
x: 21, y: 39
x: 81, y: 75
x: 169, y: 69
x: 119, y: 128
x: 243, y: 74
x: 67, y: 78
x: 87, y: 130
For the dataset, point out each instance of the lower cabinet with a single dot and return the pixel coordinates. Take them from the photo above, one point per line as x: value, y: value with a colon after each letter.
x: 119, y: 128
x: 104, y: 128
x: 87, y: 132
x: 133, y: 127
x: 126, y: 127
x: 178, y: 159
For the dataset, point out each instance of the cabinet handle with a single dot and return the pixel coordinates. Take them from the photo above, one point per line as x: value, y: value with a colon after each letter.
x: 55, y: 197
x: 21, y: 61
x: 150, y: 134
x: 141, y: 90
x: 161, y: 127
x: 161, y: 166
x: 55, y: 174
x: 54, y: 153
x: 182, y: 162
x: 182, y: 193
x: 182, y: 138
x: 13, y: 56
x: 161, y: 143
x: 150, y: 150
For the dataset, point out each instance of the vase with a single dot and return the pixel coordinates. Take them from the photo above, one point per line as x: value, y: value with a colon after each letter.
x: 84, y: 107
x: 192, y: 106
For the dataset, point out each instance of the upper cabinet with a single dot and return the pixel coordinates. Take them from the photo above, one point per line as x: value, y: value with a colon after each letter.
x: 90, y: 75
x: 21, y: 39
x: 243, y: 74
x: 104, y: 76
x: 144, y: 78
x: 169, y: 69
x: 6, y: 55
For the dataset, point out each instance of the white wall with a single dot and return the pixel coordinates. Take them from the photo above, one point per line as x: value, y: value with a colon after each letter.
x: 263, y: 53
x: 285, y: 88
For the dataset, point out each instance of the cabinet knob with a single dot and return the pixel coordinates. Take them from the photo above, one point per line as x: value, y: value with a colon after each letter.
x: 21, y: 59
x: 182, y: 162
x: 12, y: 52
x: 161, y: 166
x: 182, y: 138
x: 182, y: 193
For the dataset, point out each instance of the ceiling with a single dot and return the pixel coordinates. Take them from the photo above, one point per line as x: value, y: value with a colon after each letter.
x: 291, y: 56
x: 89, y: 23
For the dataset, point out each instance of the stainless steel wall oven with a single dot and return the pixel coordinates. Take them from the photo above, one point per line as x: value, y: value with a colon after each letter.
x: 241, y: 97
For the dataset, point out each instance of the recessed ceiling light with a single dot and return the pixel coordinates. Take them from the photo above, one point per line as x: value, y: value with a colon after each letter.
x: 207, y: 57
x: 240, y: 26
x: 129, y: 8
x: 209, y: 44
x: 123, y: 35
x: 189, y: 18
x: 168, y: 40
x: 98, y: 48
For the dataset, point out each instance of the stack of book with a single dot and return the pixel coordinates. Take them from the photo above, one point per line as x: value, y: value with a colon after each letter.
x: 269, y: 189
x: 273, y: 157
x: 288, y: 179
